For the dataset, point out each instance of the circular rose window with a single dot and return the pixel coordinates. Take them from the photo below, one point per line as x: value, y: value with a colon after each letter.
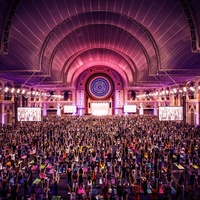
x: 100, y: 87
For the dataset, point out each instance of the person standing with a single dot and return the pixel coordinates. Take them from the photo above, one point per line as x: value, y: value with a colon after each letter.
x: 144, y: 185
x: 56, y: 187
x: 14, y: 191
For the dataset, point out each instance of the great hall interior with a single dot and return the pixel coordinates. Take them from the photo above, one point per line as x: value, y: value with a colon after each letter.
x: 92, y: 58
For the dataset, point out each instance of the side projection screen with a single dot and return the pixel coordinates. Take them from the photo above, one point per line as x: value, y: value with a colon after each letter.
x: 69, y: 109
x: 130, y: 108
x: 28, y: 114
x: 169, y: 113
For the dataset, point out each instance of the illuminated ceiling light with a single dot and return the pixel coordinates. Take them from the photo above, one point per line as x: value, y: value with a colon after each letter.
x: 18, y: 90
x: 6, y: 89
x: 23, y: 91
x: 192, y: 89
x: 175, y: 90
x: 184, y: 89
x: 12, y: 90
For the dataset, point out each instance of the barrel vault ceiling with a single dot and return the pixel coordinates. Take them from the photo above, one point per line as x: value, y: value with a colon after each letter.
x: 48, y: 43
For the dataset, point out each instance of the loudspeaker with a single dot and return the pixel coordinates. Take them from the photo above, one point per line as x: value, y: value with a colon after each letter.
x: 133, y: 94
x: 66, y: 95
x: 110, y: 105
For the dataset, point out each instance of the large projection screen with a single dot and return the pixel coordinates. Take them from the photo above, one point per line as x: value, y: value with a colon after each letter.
x: 70, y: 109
x: 170, y: 113
x: 100, y: 109
x: 28, y: 114
x: 129, y: 108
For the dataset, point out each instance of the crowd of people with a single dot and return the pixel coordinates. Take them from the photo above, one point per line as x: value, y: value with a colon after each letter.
x: 122, y: 157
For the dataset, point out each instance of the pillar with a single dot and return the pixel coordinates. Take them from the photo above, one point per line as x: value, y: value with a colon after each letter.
x: 3, y: 113
x: 141, y: 110
x: 58, y: 109
x: 44, y: 109
x: 184, y: 109
x: 197, y: 113
x: 16, y: 105
x: 80, y: 102
x: 89, y: 106
x: 119, y: 102
x: 155, y: 110
x: 73, y: 95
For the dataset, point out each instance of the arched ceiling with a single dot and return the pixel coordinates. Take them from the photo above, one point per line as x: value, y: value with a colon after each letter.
x: 50, y: 43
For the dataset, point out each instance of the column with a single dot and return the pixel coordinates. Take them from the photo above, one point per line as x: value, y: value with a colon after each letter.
x: 80, y: 102
x: 184, y: 109
x: 155, y: 110
x: 179, y: 96
x: 74, y: 95
x: 16, y: 104
x: 110, y: 107
x: 19, y: 99
x: 119, y: 102
x: 2, y: 113
x: 126, y: 95
x: 58, y: 109
x: 141, y: 110
x: 89, y: 106
x: 197, y: 113
x: 44, y: 109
